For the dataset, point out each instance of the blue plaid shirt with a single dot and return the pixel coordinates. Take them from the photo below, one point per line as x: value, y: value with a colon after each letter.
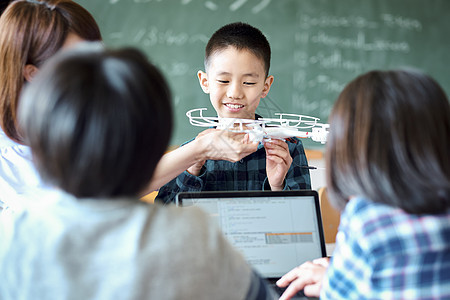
x: 384, y: 253
x: 247, y: 174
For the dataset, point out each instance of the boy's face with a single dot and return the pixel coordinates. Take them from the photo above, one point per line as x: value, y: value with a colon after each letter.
x: 235, y: 82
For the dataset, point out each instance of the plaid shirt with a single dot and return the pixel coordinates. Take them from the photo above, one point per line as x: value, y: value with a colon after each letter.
x: 384, y: 253
x: 247, y: 174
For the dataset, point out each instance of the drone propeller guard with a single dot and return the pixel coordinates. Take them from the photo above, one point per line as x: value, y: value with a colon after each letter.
x: 286, y: 126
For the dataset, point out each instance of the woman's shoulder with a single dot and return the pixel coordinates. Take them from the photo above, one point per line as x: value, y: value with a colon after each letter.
x: 378, y: 215
x: 17, y: 170
x: 368, y: 217
x: 192, y: 234
x: 388, y: 229
x: 11, y: 148
x: 175, y: 218
x: 5, y: 141
x: 192, y: 226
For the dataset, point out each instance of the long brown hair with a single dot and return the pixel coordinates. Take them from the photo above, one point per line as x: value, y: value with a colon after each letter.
x: 389, y: 141
x: 30, y: 33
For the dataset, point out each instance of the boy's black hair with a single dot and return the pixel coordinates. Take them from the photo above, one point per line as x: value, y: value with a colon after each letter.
x: 97, y: 122
x: 241, y: 36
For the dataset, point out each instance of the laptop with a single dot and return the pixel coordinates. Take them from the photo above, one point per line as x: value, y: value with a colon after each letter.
x: 275, y: 230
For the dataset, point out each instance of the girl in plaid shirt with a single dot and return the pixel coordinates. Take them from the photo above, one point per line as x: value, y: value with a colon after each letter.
x: 388, y: 157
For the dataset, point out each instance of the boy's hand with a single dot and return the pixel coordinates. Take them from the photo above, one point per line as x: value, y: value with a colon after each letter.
x: 209, y: 144
x: 196, y: 168
x: 307, y: 277
x: 278, y: 162
x: 225, y: 145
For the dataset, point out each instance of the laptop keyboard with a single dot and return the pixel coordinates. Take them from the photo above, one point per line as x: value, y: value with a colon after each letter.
x: 299, y: 295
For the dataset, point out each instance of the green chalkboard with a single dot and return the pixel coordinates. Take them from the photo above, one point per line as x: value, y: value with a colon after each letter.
x: 317, y: 45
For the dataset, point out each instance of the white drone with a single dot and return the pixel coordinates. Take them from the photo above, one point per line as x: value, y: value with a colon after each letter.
x: 284, y: 127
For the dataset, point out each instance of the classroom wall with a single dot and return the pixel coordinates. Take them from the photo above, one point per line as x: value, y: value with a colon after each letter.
x: 318, y: 45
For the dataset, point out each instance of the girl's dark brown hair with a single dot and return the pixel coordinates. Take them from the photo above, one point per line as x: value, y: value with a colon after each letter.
x: 389, y: 141
x: 30, y: 33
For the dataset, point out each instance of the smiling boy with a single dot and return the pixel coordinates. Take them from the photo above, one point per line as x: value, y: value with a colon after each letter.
x: 236, y: 77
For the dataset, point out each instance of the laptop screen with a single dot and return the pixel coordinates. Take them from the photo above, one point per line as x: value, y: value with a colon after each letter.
x: 275, y: 231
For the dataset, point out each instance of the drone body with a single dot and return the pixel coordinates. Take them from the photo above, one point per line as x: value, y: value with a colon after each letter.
x: 263, y: 129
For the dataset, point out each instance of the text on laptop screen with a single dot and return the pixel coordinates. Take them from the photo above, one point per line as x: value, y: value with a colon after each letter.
x: 275, y: 234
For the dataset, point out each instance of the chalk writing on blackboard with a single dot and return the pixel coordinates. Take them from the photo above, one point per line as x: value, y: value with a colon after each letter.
x: 317, y: 45
x: 336, y: 51
x: 152, y: 36
x: 216, y: 5
x: 176, y: 68
x: 330, y: 21
x: 401, y: 22
x: 358, y: 42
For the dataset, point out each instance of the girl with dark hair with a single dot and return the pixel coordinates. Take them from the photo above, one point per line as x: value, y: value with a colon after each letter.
x: 97, y: 240
x: 388, y: 170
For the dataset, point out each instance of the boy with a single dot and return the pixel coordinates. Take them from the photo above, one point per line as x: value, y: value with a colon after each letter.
x: 86, y: 118
x: 237, y: 61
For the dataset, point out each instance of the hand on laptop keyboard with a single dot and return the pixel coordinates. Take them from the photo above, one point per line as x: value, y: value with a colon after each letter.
x: 309, y: 274
x: 298, y: 295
